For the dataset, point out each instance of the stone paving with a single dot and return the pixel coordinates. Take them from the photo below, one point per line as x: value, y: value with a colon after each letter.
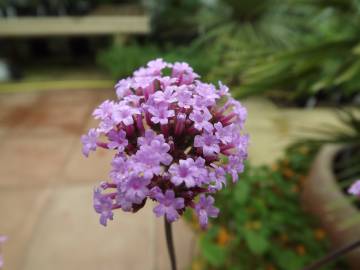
x: 46, y: 184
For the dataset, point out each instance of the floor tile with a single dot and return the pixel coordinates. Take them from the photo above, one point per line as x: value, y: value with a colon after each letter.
x: 93, y: 169
x: 31, y: 161
x: 20, y: 210
x: 70, y: 237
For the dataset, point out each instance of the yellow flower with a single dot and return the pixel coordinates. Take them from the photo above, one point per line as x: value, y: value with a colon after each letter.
x: 197, y: 265
x: 303, y: 150
x: 256, y: 225
x: 274, y: 167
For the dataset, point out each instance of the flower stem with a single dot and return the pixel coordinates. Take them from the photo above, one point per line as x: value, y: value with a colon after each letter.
x: 170, y: 243
x: 333, y: 256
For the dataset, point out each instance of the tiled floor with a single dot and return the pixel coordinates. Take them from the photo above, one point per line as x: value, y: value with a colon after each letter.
x: 46, y: 185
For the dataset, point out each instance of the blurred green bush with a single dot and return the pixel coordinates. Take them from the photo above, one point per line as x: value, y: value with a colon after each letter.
x: 122, y: 60
x: 294, y: 49
x: 262, y: 224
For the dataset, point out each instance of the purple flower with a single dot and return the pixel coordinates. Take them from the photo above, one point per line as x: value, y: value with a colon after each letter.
x: 207, y: 93
x: 156, y: 66
x: 89, y: 142
x: 201, y: 119
x: 355, y: 188
x: 205, y: 209
x: 117, y: 139
x: 223, y: 89
x: 184, y: 97
x: 183, y: 72
x: 150, y: 136
x: 235, y: 166
x: 208, y: 142
x: 240, y: 112
x: 161, y: 113
x: 184, y: 172
x: 217, y: 178
x: 124, y: 113
x: 106, y: 125
x: 167, y: 96
x: 168, y: 205
x: 120, y: 169
x: 135, y: 189
x: 176, y: 139
x: 146, y: 162
x: 122, y: 88
x: 225, y: 134
x: 104, y: 110
x: 103, y: 206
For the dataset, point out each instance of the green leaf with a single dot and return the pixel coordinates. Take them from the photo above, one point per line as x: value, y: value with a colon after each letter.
x: 289, y: 260
x: 213, y: 253
x: 256, y: 242
x: 242, y: 192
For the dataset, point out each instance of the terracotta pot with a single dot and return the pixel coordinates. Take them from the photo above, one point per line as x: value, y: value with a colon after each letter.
x: 323, y: 197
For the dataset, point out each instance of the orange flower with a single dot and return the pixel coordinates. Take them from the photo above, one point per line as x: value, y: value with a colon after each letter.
x: 284, y: 237
x: 295, y: 189
x: 223, y: 237
x: 319, y: 234
x: 288, y: 173
x: 300, y: 249
x: 270, y: 267
x: 274, y: 167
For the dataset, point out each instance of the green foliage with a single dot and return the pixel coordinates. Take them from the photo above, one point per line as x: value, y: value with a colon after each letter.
x: 122, y: 60
x: 262, y: 224
x: 294, y: 49
x: 214, y: 254
x: 174, y: 20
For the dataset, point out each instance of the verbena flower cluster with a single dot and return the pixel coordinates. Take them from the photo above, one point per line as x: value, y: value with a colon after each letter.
x: 174, y: 139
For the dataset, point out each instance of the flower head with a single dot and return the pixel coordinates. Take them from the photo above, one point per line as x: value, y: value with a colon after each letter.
x: 174, y: 138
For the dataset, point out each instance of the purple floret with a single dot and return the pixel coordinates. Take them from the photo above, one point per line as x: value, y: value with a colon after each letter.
x: 168, y: 205
x: 205, y: 209
x: 89, y: 142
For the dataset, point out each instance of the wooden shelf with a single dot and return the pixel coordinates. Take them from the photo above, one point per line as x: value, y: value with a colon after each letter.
x: 70, y: 26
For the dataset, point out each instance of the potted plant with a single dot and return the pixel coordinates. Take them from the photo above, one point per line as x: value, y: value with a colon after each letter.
x: 263, y: 225
x: 335, y: 167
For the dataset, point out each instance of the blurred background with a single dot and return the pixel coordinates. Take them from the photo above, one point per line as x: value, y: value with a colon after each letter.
x: 295, y: 65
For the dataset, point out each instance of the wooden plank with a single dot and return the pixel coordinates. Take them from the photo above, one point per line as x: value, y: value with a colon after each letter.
x: 86, y: 25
